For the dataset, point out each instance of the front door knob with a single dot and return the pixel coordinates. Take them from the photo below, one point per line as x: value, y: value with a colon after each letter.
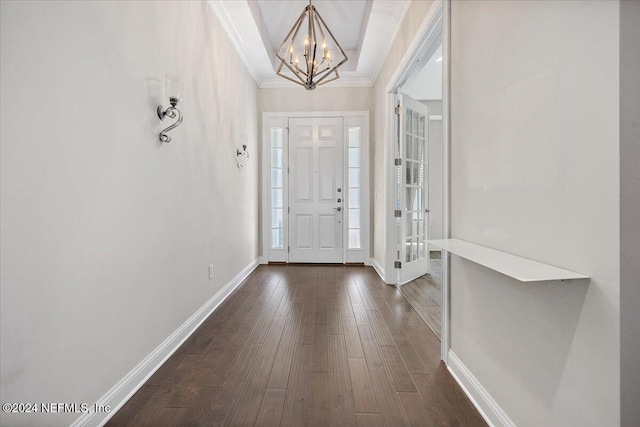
x: 337, y: 209
x: 339, y: 190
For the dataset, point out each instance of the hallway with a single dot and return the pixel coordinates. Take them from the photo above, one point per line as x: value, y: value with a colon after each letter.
x: 330, y: 345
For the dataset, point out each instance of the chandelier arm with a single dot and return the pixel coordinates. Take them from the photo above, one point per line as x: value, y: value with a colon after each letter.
x: 296, y: 73
x: 330, y: 80
x: 334, y: 39
x: 332, y: 70
x: 295, y: 28
x: 325, y: 71
x: 321, y: 33
x: 291, y: 80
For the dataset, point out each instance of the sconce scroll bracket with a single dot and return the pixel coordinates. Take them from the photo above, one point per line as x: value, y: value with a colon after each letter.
x: 171, y: 112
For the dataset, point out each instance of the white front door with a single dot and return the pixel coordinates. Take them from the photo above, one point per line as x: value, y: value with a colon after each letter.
x: 412, y: 197
x: 316, y: 191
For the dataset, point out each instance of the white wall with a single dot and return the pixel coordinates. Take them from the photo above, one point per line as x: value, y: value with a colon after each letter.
x: 326, y: 98
x: 535, y: 172
x: 107, y: 234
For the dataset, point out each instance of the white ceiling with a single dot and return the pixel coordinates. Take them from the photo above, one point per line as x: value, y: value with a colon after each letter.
x: 364, y: 28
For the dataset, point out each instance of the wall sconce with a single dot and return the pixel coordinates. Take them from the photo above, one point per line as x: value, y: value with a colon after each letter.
x: 242, y: 156
x: 174, y: 92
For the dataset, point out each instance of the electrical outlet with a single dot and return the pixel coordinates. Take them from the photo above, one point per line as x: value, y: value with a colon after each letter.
x: 211, y: 271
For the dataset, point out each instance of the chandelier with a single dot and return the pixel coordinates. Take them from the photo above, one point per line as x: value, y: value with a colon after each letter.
x: 309, y: 52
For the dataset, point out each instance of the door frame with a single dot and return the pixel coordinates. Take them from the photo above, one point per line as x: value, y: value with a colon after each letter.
x: 435, y: 26
x: 281, y: 119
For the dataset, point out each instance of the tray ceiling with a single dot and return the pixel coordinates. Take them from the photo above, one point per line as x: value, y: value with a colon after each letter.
x: 364, y: 28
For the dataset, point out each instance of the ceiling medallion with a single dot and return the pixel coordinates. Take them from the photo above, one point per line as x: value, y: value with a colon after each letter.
x: 309, y: 57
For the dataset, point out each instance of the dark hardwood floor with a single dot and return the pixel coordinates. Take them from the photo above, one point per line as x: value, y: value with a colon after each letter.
x: 303, y: 345
x: 425, y: 294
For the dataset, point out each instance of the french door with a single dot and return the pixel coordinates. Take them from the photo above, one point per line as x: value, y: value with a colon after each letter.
x: 316, y: 191
x: 412, y: 212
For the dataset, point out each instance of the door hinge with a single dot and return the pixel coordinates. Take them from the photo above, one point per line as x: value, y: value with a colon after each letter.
x: 398, y: 162
x: 398, y: 110
x: 288, y: 209
x: 288, y: 249
x: 397, y: 264
x: 287, y: 170
x: 397, y: 213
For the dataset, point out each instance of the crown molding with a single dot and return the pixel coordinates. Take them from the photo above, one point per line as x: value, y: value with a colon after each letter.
x: 278, y: 83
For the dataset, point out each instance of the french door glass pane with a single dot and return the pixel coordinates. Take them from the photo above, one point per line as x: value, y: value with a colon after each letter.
x: 415, y: 176
x: 420, y: 153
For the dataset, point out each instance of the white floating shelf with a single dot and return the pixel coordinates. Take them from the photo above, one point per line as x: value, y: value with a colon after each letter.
x: 522, y: 269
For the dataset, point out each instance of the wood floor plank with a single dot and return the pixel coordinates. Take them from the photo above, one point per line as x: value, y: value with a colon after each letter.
x: 334, y: 320
x: 414, y: 408
x: 465, y: 412
x: 360, y: 313
x: 364, y: 399
x: 149, y: 413
x: 222, y: 409
x: 271, y: 408
x: 248, y: 406
x: 369, y: 420
x: 320, y: 356
x: 342, y: 407
x: 386, y: 396
x: 379, y: 328
x: 352, y: 338
x: 297, y: 398
x: 398, y: 370
x: 198, y: 410
x: 440, y: 410
x: 319, y: 399
x: 140, y: 398
x: 282, y: 365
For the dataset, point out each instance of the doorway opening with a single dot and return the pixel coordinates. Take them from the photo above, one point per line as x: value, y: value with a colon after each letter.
x: 418, y: 114
x: 315, y: 187
x: 420, y: 188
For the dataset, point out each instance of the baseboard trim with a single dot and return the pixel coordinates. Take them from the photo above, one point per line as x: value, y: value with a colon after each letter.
x: 378, y: 268
x: 127, y: 386
x: 479, y: 396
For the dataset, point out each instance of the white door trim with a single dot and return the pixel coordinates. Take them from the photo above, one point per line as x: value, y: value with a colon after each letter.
x: 434, y: 27
x: 350, y: 119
